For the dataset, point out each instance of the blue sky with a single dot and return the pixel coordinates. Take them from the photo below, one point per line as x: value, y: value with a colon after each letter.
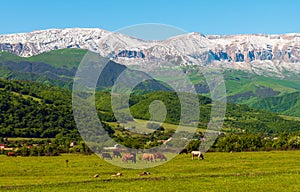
x: 204, y: 16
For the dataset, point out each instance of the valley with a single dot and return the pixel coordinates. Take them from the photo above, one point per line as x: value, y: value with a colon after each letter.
x: 150, y: 96
x: 262, y: 110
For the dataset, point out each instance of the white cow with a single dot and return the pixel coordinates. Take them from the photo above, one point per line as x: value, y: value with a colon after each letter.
x: 198, y: 154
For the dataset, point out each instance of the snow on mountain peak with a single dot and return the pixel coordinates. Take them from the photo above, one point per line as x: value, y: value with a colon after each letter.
x: 187, y: 48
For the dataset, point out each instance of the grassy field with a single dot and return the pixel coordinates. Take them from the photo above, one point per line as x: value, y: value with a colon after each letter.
x: 246, y: 171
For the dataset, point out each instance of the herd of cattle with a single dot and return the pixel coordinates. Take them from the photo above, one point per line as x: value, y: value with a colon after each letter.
x: 126, y: 157
x: 148, y: 157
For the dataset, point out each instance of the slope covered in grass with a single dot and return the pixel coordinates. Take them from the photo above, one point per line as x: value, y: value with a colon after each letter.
x: 288, y: 104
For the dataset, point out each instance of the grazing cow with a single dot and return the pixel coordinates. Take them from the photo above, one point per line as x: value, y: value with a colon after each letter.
x: 11, y: 154
x: 144, y: 173
x: 197, y: 154
x: 183, y: 151
x: 96, y: 175
x: 117, y: 175
x: 148, y: 157
x: 129, y: 156
x: 160, y: 156
x: 106, y: 155
x: 117, y: 153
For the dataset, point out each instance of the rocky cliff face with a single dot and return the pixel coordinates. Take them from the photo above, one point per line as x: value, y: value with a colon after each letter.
x: 274, y: 53
x: 247, y: 48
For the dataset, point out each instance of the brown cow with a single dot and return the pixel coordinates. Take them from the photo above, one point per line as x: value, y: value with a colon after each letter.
x: 148, y: 157
x: 11, y: 154
x: 129, y: 156
x: 160, y: 156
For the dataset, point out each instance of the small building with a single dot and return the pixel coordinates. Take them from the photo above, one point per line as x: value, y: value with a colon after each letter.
x: 116, y: 146
x: 9, y: 149
x: 2, y: 146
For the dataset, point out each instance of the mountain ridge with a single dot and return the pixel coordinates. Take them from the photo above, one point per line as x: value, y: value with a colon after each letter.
x: 257, y: 53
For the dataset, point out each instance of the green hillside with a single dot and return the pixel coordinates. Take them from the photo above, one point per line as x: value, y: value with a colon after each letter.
x: 248, y: 88
x: 67, y: 58
x: 59, y: 67
x: 238, y: 118
x: 7, y: 56
x: 288, y: 104
x: 34, y: 110
x: 62, y: 58
x: 55, y: 67
x: 37, y: 110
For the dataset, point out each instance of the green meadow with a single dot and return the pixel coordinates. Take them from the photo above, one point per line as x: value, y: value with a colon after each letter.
x: 243, y: 171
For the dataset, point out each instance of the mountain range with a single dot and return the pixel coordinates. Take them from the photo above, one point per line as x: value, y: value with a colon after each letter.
x: 257, y: 53
x: 261, y: 71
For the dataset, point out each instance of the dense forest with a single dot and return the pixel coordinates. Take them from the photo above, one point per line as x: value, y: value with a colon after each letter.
x: 35, y: 110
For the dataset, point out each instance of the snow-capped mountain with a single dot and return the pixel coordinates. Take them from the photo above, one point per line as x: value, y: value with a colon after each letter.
x: 258, y: 53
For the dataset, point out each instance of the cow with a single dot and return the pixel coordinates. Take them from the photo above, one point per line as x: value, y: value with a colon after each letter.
x: 11, y: 154
x: 144, y: 173
x: 197, y: 154
x: 117, y: 153
x: 148, y: 157
x: 106, y: 156
x: 160, y: 156
x: 129, y: 156
x: 183, y: 151
x: 117, y: 175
